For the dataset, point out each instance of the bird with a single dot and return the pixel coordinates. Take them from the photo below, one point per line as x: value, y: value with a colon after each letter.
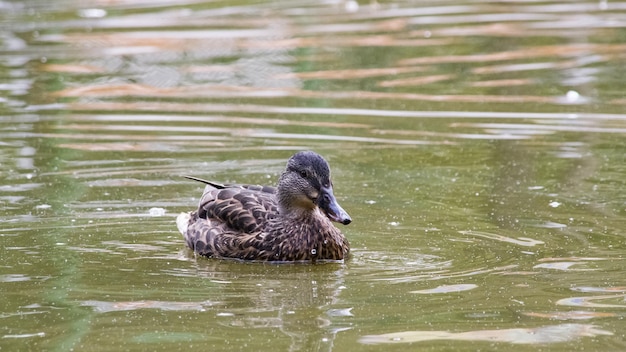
x: 288, y: 223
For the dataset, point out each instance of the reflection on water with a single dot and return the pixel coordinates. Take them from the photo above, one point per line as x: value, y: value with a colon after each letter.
x: 541, y: 335
x: 448, y: 288
x: 104, y: 307
x: 588, y: 301
x: 479, y: 146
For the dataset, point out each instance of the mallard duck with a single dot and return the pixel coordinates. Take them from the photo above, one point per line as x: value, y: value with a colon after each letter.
x: 291, y: 222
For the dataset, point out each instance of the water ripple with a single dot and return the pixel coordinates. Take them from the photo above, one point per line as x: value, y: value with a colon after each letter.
x: 540, y: 335
x: 589, y: 301
x: 106, y: 307
x: 521, y: 241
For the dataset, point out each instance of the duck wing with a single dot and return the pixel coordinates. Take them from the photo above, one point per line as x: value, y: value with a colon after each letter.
x: 241, y: 208
x: 230, y: 221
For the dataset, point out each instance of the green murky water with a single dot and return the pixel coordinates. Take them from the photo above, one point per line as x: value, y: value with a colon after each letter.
x: 478, y: 146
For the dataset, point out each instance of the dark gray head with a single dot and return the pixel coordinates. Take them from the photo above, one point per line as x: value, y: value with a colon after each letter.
x: 305, y: 184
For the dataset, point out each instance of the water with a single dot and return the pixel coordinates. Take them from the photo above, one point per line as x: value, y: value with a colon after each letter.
x: 478, y: 147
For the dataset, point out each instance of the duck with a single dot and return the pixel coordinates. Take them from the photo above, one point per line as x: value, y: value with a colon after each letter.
x: 292, y: 222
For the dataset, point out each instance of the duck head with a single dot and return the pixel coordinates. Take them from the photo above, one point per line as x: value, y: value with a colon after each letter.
x: 305, y: 185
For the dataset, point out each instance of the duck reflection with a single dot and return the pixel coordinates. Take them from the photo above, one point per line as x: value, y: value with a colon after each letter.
x: 293, y: 300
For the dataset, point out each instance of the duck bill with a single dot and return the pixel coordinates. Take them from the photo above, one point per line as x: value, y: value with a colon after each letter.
x: 328, y: 204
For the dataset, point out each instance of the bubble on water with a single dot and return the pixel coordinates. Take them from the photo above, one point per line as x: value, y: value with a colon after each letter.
x: 554, y: 204
x: 572, y: 95
x: 394, y: 223
x: 43, y: 206
x: 92, y: 13
x: 156, y: 212
x: 314, y: 251
x: 27, y: 151
x: 351, y: 6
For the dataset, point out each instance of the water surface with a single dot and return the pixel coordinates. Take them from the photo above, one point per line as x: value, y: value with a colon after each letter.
x: 478, y: 146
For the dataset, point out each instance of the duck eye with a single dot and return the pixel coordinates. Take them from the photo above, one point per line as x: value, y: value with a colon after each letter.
x: 303, y: 173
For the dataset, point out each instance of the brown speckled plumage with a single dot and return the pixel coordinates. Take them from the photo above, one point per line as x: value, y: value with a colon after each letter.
x: 289, y: 223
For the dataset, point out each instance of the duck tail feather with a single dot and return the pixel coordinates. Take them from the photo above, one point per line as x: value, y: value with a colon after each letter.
x: 213, y: 184
x: 182, y: 222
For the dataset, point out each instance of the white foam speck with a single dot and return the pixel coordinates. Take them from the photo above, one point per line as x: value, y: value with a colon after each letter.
x: 156, y: 212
